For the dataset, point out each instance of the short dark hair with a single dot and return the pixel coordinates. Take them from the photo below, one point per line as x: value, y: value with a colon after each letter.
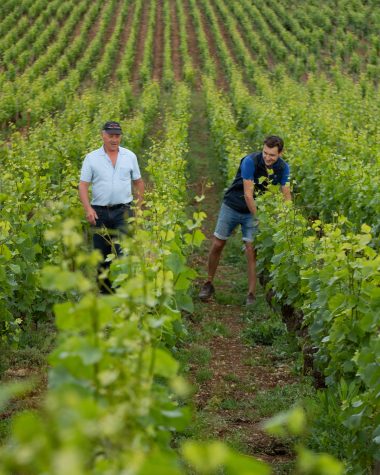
x: 274, y: 141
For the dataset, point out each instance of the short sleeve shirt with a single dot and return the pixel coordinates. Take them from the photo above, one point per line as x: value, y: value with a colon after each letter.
x: 110, y: 185
x: 274, y: 173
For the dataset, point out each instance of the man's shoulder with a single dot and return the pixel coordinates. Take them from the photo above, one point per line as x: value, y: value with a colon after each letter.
x: 254, y: 156
x: 281, y: 163
x: 126, y: 152
x: 95, y: 153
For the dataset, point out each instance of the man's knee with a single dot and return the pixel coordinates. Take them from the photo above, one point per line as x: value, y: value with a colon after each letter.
x: 218, y: 244
x: 250, y: 248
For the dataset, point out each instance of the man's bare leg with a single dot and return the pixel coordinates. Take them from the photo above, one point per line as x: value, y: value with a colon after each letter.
x: 214, y: 257
x: 207, y: 289
x: 251, y: 260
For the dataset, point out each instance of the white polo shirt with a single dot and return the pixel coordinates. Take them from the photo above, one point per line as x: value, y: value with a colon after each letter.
x: 110, y: 185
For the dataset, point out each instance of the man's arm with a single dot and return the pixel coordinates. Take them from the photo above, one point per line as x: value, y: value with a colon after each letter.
x: 286, y: 193
x: 91, y: 215
x: 248, y: 196
x: 139, y: 187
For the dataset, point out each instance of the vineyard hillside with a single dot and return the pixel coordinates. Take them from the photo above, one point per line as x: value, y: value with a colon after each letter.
x: 148, y: 379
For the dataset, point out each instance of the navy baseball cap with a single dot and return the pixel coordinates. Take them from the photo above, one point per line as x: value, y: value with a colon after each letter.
x: 112, y: 128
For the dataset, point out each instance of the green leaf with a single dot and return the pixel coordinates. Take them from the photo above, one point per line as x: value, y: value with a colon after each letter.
x: 175, y: 262
x: 164, y: 364
x: 54, y: 278
x: 365, y: 228
x: 288, y: 422
x: 309, y: 463
x: 239, y: 464
x: 15, y: 268
x: 160, y: 463
x: 5, y: 252
x: 205, y: 457
x: 89, y: 354
x: 184, y: 302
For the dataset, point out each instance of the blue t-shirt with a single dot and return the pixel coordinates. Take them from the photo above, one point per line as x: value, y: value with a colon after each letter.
x: 275, y: 174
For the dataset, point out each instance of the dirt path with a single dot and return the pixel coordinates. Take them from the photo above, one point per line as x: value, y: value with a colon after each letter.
x: 158, y: 48
x: 27, y: 363
x: 175, y: 43
x: 239, y: 383
x: 192, y: 43
x: 220, y: 75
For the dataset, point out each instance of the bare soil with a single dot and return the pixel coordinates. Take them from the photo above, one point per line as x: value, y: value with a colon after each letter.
x: 192, y: 42
x: 224, y: 33
x: 221, y: 79
x: 111, y: 27
x: 31, y: 399
x: 175, y: 43
x: 158, y: 49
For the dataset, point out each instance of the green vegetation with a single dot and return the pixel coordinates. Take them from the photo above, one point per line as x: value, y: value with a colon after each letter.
x: 308, y: 71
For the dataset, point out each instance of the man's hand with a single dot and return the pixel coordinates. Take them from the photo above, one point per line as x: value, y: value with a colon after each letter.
x: 286, y: 193
x: 91, y: 216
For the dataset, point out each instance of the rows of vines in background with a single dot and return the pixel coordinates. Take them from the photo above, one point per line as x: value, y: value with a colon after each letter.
x: 168, y: 71
x: 16, y: 50
x: 145, y: 68
x: 104, y: 67
x: 51, y: 79
x: 124, y: 69
x: 279, y: 39
x: 14, y: 21
x: 208, y: 62
x: 16, y: 95
x: 46, y: 164
x: 188, y: 67
x: 352, y: 42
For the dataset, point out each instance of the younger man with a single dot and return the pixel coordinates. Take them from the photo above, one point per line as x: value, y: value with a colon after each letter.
x: 239, y: 207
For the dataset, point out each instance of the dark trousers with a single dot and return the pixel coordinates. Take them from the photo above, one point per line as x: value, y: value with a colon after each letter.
x: 113, y: 222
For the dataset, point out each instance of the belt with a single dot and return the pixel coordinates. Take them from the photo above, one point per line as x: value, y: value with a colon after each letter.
x: 111, y: 207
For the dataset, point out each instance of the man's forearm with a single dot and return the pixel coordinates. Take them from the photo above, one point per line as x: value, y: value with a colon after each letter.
x: 83, y: 196
x: 251, y: 205
x: 140, y: 188
x: 286, y: 193
x: 91, y: 215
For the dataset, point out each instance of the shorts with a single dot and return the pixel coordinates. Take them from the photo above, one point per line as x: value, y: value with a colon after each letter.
x: 228, y: 219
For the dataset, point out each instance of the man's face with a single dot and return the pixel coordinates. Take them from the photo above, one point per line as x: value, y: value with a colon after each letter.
x: 111, y: 141
x: 270, y: 155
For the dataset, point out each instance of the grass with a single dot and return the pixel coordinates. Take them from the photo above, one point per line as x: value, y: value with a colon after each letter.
x: 281, y: 398
x: 233, y: 378
x: 263, y: 332
x: 203, y: 375
x: 235, y: 440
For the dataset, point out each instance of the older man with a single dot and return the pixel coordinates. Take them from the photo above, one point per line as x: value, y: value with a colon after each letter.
x: 111, y: 170
x: 239, y: 208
